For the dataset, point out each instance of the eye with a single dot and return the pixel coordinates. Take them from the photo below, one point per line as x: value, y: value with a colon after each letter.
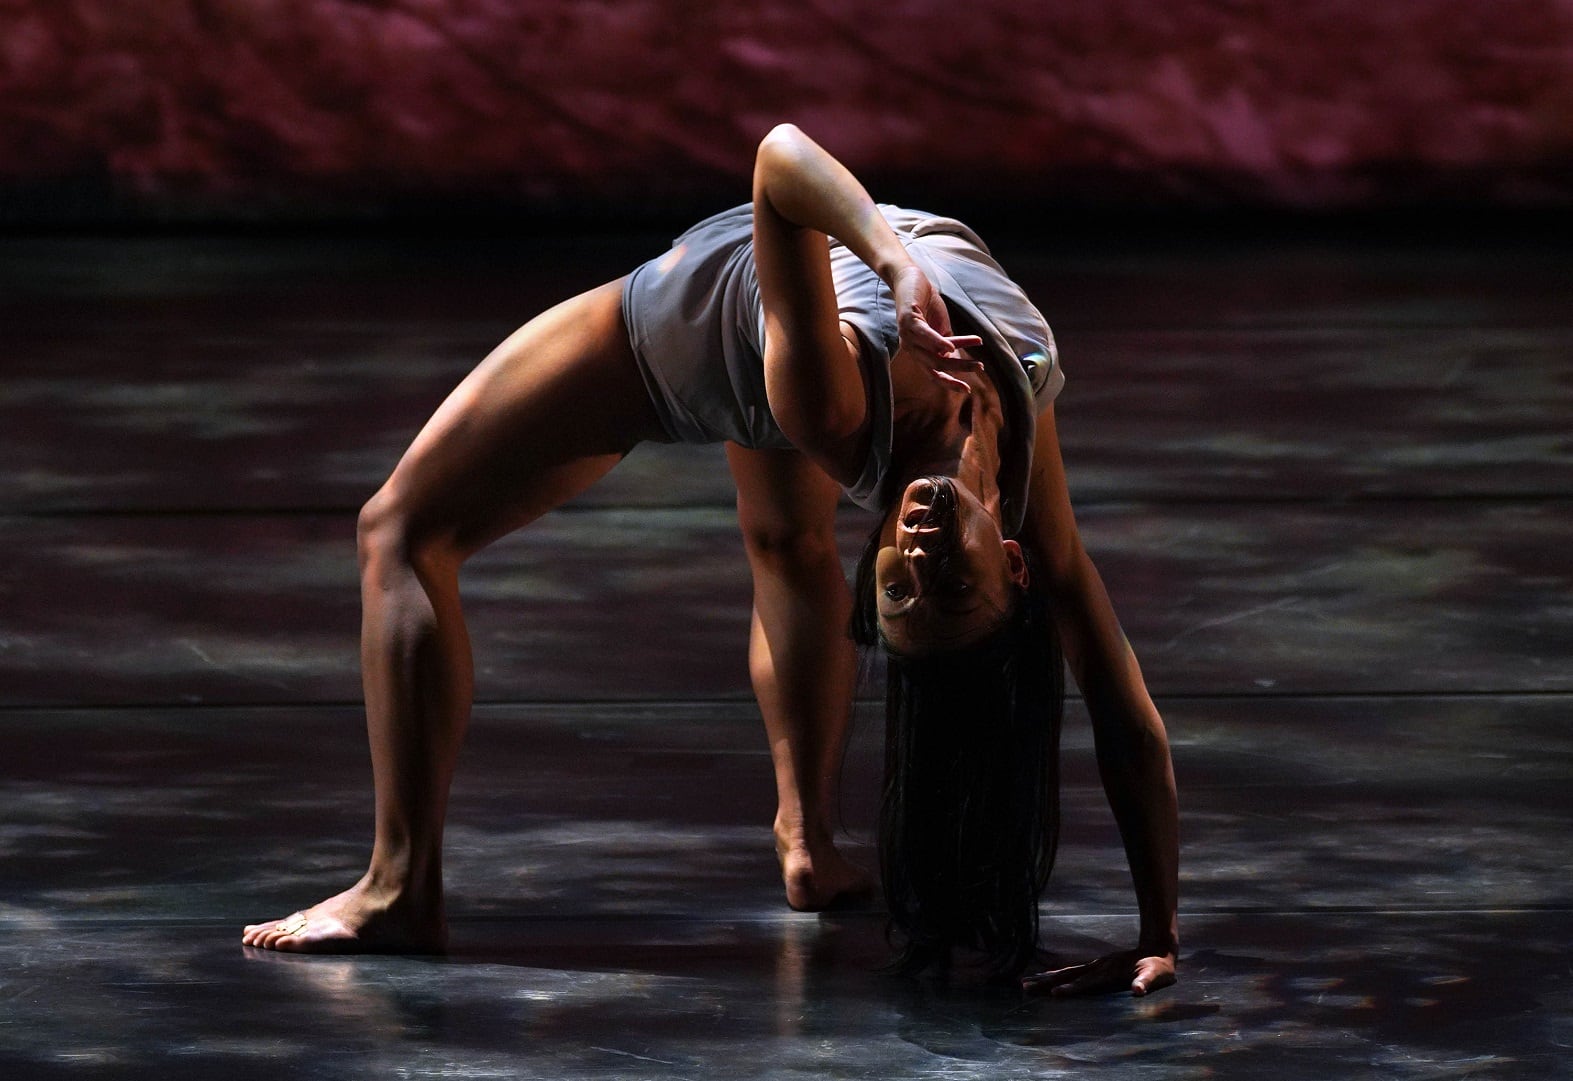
x: 956, y: 587
x: 895, y: 592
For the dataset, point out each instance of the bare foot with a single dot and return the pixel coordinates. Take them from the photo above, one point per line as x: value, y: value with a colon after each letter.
x: 359, y: 920
x: 822, y: 880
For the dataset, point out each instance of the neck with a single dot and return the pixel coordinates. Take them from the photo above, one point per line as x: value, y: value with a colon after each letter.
x: 972, y: 459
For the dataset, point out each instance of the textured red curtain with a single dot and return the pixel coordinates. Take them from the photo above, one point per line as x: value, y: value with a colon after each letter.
x: 263, y: 107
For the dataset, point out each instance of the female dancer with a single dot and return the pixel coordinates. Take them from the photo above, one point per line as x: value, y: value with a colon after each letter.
x: 825, y: 367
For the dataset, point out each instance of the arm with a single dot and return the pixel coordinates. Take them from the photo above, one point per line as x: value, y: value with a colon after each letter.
x: 813, y: 383
x: 1132, y: 747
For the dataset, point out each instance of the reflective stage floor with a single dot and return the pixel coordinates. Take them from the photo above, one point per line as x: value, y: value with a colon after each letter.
x: 1329, y: 483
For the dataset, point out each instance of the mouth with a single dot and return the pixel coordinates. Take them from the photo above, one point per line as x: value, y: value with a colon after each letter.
x: 928, y: 505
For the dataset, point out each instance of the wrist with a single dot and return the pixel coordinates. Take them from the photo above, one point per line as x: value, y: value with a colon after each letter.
x: 889, y: 264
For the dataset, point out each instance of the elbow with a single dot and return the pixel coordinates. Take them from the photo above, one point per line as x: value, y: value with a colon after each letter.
x: 778, y: 151
x: 780, y: 137
x: 1139, y: 746
x: 831, y: 437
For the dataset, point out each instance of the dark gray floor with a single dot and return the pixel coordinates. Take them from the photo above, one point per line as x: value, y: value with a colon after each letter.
x: 1330, y: 484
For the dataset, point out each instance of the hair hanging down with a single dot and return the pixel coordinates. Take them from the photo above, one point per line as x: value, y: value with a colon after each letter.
x: 969, y: 821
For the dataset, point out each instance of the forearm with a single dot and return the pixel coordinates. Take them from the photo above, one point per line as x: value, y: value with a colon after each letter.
x: 812, y: 381
x: 1132, y: 749
x: 1138, y: 778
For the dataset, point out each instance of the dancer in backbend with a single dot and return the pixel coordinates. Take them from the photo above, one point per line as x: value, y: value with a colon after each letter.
x: 898, y: 363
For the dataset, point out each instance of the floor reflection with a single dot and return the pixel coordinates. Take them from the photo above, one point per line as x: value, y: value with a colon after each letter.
x: 1327, y: 484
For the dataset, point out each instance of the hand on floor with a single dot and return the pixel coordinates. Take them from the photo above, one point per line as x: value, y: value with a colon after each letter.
x: 1126, y: 970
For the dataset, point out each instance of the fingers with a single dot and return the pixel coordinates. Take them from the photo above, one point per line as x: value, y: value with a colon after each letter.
x: 942, y: 376
x: 1097, y: 980
x: 1055, y: 981
x: 947, y: 356
x: 923, y: 335
x: 1115, y: 972
x: 952, y: 356
x: 948, y: 346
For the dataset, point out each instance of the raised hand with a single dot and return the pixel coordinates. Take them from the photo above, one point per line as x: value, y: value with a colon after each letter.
x: 924, y: 324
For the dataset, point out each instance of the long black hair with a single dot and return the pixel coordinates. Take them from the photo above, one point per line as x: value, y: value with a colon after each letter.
x: 969, y: 819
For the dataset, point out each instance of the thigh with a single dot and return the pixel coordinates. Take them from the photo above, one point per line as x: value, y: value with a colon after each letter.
x: 786, y: 504
x: 546, y: 414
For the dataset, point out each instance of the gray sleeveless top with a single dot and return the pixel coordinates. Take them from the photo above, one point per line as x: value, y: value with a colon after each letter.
x: 697, y: 328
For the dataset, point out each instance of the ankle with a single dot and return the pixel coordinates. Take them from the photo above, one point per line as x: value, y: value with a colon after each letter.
x: 794, y: 834
x: 396, y: 881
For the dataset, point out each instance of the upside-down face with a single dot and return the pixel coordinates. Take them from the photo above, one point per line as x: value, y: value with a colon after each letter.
x: 944, y: 576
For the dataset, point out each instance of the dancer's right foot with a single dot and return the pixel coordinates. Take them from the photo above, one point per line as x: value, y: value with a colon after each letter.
x: 820, y: 878
x: 362, y: 919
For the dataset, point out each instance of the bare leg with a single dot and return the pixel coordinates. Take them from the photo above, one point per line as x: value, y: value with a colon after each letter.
x: 801, y: 660
x: 543, y: 417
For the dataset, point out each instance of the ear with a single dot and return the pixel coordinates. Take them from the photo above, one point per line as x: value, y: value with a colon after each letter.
x: 1017, y: 564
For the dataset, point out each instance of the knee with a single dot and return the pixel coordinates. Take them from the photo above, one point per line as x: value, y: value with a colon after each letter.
x: 380, y: 531
x: 387, y: 535
x: 787, y: 547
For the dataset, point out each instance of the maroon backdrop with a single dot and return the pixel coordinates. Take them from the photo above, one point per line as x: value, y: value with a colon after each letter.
x: 266, y: 107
